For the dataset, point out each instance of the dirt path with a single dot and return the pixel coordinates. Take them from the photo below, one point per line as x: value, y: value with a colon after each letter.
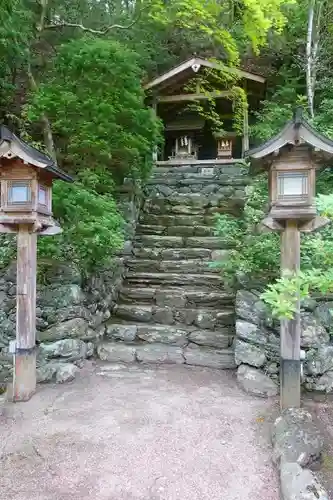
x: 139, y: 433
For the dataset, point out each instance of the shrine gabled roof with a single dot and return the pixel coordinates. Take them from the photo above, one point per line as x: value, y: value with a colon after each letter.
x: 14, y: 147
x: 195, y: 63
x: 296, y: 132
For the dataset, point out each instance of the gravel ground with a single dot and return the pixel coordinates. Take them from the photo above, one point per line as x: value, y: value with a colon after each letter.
x: 139, y: 433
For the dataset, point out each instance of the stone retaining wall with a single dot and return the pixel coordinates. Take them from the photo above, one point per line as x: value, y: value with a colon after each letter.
x: 71, y: 312
x: 257, y: 344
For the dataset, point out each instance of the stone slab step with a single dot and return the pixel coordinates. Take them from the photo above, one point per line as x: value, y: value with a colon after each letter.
x: 172, y: 266
x: 175, y: 230
x: 155, y: 253
x: 231, y: 207
x: 207, y: 318
x: 177, y: 220
x: 175, y: 296
x: 221, y: 359
x: 166, y: 334
x: 210, y: 242
x: 175, y: 179
x: 120, y: 352
x: 195, y: 203
x: 174, y: 279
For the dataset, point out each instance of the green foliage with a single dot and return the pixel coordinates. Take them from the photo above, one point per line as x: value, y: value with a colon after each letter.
x: 257, y: 255
x: 262, y: 16
x: 92, y: 225
x: 210, y: 81
x: 95, y: 102
x: 89, y: 87
x: 282, y: 296
x: 254, y: 254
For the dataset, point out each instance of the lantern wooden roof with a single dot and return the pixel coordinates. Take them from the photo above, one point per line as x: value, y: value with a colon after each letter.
x: 12, y: 147
x: 297, y: 132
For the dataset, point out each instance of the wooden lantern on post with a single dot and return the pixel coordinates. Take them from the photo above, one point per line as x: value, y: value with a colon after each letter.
x: 26, y: 177
x: 291, y: 159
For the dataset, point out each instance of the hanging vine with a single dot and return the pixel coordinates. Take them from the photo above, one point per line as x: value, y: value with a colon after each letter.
x: 211, y: 82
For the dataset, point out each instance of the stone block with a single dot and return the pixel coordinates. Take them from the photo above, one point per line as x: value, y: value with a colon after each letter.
x: 250, y: 308
x: 180, y: 231
x: 116, y: 352
x: 211, y: 242
x: 73, y: 328
x: 127, y: 333
x: 159, y: 353
x: 170, y: 299
x: 222, y: 359
x: 300, y: 484
x: 206, y: 319
x: 256, y: 382
x: 60, y: 296
x: 185, y: 253
x: 66, y: 373
x: 325, y: 383
x: 211, y: 338
x: 163, y: 315
x: 324, y: 313
x: 313, y: 333
x: 249, y: 354
x: 160, y: 241
x: 319, y: 361
x: 47, y: 372
x: 162, y: 334
x: 131, y: 312
x: 71, y: 349
x: 296, y: 438
x: 251, y: 333
x: 136, y: 294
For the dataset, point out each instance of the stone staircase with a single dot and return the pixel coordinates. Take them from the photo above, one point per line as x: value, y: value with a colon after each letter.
x: 173, y: 306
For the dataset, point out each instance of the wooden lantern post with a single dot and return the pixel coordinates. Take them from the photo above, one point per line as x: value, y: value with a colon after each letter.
x: 291, y: 159
x: 26, y: 177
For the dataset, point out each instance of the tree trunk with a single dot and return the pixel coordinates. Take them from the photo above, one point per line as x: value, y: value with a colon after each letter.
x: 309, y: 59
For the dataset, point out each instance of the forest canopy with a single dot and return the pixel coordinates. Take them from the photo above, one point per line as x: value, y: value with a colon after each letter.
x: 71, y: 74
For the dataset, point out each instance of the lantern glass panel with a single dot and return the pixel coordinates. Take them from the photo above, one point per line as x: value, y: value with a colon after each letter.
x: 42, y: 195
x: 19, y: 192
x: 292, y: 185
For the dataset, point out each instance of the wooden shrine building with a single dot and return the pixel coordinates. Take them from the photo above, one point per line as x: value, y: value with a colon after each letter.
x: 188, y: 135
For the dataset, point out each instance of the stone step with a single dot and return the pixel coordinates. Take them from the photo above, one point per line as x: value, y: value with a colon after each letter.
x: 229, y: 170
x: 210, y: 242
x: 174, y: 279
x: 207, y: 318
x: 175, y: 253
x: 166, y: 334
x: 172, y: 266
x: 194, y: 203
x: 120, y: 352
x: 174, y: 230
x: 175, y: 179
x: 176, y: 296
x: 177, y: 220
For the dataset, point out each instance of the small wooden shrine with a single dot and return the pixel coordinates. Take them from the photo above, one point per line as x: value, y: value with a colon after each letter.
x: 188, y: 135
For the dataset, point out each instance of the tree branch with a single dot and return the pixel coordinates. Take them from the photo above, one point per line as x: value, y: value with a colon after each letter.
x: 65, y: 24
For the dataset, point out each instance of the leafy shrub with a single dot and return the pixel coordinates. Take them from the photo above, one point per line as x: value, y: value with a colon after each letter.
x: 95, y: 101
